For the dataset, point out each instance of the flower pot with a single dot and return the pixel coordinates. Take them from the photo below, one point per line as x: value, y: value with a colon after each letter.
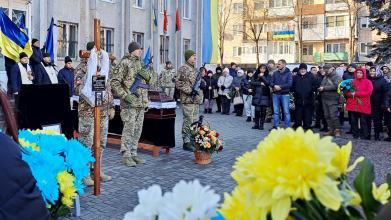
x: 202, y: 157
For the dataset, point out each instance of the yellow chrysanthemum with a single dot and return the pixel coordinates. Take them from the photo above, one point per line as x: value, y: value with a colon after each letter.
x: 201, y: 132
x: 67, y: 187
x: 24, y: 143
x: 382, y: 193
x: 356, y: 199
x: 341, y: 161
x: 207, y: 145
x: 287, y: 165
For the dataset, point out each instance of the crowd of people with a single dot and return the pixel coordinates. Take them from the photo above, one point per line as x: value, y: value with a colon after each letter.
x: 304, y: 96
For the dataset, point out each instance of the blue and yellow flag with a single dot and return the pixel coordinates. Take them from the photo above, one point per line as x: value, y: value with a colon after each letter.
x: 13, y: 40
x: 154, y: 21
x: 210, y: 23
x: 49, y: 44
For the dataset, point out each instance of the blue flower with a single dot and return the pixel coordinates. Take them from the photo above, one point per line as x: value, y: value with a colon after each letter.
x: 348, y: 87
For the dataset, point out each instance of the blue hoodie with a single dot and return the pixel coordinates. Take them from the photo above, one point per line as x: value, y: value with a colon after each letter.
x: 283, y: 78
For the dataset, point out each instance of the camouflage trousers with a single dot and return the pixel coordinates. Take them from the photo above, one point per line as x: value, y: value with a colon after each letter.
x: 190, y: 115
x: 133, y: 120
x: 86, y: 130
x: 170, y: 92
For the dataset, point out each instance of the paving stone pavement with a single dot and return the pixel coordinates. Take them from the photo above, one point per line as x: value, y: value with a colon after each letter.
x: 119, y: 195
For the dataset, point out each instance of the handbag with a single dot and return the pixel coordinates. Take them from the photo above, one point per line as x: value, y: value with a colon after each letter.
x: 215, y: 93
x: 238, y: 100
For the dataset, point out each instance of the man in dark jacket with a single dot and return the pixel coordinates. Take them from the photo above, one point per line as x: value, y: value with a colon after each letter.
x: 330, y: 98
x: 232, y: 70
x: 47, y: 74
x: 67, y: 74
x: 9, y: 63
x: 216, y: 76
x: 281, y: 83
x: 36, y: 57
x: 303, y: 87
x: 345, y: 67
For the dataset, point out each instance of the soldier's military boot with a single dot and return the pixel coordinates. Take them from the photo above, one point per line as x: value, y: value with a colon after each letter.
x: 138, y: 160
x: 88, y: 181
x: 128, y: 161
x: 188, y: 147
x: 103, y: 177
x: 330, y: 132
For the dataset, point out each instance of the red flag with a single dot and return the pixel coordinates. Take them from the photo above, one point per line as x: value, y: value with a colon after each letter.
x: 165, y: 22
x: 178, y: 25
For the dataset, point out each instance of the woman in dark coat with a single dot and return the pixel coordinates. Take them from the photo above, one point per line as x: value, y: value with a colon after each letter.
x: 20, y: 198
x: 236, y: 87
x: 387, y: 117
x: 378, y: 99
x: 208, y: 84
x: 261, y: 95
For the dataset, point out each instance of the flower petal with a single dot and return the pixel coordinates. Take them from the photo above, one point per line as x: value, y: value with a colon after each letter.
x: 358, y: 160
x: 280, y: 210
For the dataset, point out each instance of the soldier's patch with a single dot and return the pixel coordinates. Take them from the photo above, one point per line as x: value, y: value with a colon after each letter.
x: 78, y: 80
x: 116, y: 70
x: 182, y: 77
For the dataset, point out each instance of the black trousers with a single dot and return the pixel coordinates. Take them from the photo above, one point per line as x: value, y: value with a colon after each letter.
x: 303, y: 116
x: 320, y: 114
x: 218, y: 102
x: 363, y: 132
x: 239, y: 109
x: 225, y: 104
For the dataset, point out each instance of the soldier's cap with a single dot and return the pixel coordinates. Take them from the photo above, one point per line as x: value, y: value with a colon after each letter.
x: 189, y: 53
x: 168, y: 62
x: 133, y: 46
x: 327, y: 67
x: 90, y: 45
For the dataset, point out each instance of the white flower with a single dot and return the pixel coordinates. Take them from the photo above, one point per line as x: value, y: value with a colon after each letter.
x: 150, y: 201
x: 189, y: 201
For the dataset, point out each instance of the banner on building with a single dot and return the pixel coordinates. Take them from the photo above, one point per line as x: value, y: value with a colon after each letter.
x: 210, y: 23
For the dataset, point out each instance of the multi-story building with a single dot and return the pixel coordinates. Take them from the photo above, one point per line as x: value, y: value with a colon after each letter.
x: 122, y: 21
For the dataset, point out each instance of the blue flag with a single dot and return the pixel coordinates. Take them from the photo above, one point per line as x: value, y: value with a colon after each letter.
x: 22, y: 24
x: 49, y: 44
x: 145, y: 60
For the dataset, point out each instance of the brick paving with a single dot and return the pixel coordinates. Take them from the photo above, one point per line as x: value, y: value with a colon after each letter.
x: 120, y: 194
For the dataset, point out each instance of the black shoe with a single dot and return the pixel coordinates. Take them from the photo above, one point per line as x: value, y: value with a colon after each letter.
x: 377, y: 137
x: 256, y: 126
x: 324, y: 129
x: 349, y: 132
x: 205, y: 111
x: 253, y: 119
x: 218, y: 110
x: 316, y: 126
x: 234, y: 111
x: 248, y: 119
x: 274, y: 127
x: 268, y: 120
x: 210, y: 111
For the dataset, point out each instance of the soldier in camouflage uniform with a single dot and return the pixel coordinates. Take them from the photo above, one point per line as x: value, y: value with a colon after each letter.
x: 113, y: 64
x: 154, y: 81
x: 86, y: 116
x: 133, y: 117
x: 187, y: 76
x: 167, y: 79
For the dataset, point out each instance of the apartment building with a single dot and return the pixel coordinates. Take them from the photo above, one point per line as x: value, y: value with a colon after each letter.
x: 122, y: 21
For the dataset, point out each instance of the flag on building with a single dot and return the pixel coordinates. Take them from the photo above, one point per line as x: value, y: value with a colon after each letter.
x: 13, y: 40
x: 178, y: 25
x: 283, y: 34
x: 22, y: 24
x: 145, y: 60
x: 49, y: 44
x: 154, y: 21
x: 165, y: 22
x: 210, y: 23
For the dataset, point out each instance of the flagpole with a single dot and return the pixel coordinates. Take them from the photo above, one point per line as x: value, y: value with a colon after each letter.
x: 176, y: 39
x: 152, y: 23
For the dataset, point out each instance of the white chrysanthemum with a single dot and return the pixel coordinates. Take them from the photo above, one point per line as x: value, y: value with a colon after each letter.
x: 189, y: 201
x: 150, y: 201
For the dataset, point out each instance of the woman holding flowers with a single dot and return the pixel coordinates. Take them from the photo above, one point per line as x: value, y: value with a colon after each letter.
x: 378, y: 100
x: 359, y: 105
x: 261, y: 95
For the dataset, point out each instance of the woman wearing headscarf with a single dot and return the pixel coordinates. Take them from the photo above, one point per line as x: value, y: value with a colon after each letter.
x: 360, y: 110
x: 261, y: 95
x: 378, y: 100
x: 224, y: 83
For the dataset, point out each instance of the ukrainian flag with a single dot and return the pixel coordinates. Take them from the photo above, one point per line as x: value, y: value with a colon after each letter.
x: 283, y: 34
x: 210, y: 22
x: 154, y: 21
x: 13, y: 40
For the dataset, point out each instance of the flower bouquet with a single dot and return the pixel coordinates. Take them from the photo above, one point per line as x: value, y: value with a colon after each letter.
x: 205, y: 140
x: 58, y: 165
x: 297, y: 175
x: 347, y: 86
x: 230, y: 94
x: 249, y: 87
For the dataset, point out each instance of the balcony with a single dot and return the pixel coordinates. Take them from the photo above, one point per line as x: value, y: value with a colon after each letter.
x: 335, y: 56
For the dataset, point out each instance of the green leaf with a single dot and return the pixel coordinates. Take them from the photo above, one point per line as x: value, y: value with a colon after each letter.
x: 363, y: 184
x: 389, y: 184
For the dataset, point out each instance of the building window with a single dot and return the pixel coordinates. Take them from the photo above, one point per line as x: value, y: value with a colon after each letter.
x: 163, y: 52
x: 329, y: 21
x: 111, y: 1
x: 282, y: 3
x: 336, y: 48
x: 139, y: 38
x: 364, y: 22
x: 310, y: 22
x: 238, y: 30
x: 308, y: 2
x: 238, y: 8
x: 107, y: 40
x: 186, y: 9
x: 335, y: 1
x: 67, y: 40
x: 186, y: 44
x: 259, y: 5
x: 280, y: 47
x: 257, y: 28
x: 237, y: 51
x: 163, y: 4
x: 340, y: 21
x: 138, y: 3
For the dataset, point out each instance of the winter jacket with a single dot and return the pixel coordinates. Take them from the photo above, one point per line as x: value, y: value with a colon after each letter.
x: 67, y: 76
x: 20, y: 198
x: 261, y: 92
x: 319, y: 78
x: 388, y: 101
x: 207, y: 82
x: 304, y: 88
x: 16, y: 78
x: 36, y: 59
x: 348, y: 75
x: 378, y: 98
x: 330, y: 90
x: 225, y: 81
x: 388, y: 75
x: 236, y: 83
x: 364, y: 90
x: 283, y: 78
x: 42, y: 75
x: 244, y: 85
x: 233, y: 72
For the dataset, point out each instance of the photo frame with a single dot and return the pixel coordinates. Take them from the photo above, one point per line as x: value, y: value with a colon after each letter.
x: 55, y: 127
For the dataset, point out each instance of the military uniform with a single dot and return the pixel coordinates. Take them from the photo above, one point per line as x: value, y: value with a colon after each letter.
x: 86, y: 111
x: 167, y: 81
x: 187, y: 76
x: 154, y: 81
x: 133, y: 117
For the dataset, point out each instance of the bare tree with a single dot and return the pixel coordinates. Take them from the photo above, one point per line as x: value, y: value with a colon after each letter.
x: 225, y: 16
x: 255, y: 17
x: 298, y: 6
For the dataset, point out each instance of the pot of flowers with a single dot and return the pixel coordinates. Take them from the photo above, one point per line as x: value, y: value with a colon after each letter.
x: 205, y: 140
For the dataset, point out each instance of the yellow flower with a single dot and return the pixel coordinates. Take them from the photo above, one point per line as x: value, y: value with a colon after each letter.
x: 341, y: 161
x: 201, y: 132
x: 67, y: 187
x: 207, y: 145
x: 213, y: 138
x: 212, y: 132
x: 382, y: 193
x: 205, y: 128
x: 356, y: 200
x: 289, y: 165
x: 206, y: 139
x: 24, y: 143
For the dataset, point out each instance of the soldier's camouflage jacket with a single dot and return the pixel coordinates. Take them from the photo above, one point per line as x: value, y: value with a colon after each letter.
x: 154, y: 80
x: 186, y: 78
x: 85, y: 109
x: 124, y: 76
x: 166, y: 77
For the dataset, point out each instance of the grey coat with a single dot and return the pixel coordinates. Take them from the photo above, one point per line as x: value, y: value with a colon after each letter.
x: 227, y: 82
x: 330, y: 91
x: 236, y: 83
